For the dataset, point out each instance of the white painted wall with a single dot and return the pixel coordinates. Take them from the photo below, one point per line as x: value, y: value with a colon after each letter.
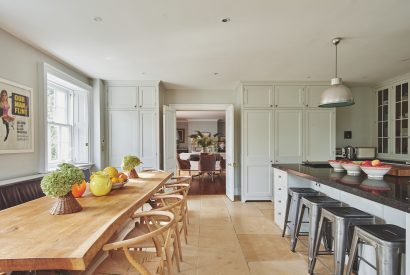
x: 210, y: 126
x: 357, y: 118
x: 19, y: 63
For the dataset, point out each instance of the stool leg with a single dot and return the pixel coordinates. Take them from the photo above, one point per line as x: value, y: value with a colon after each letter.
x: 314, y: 217
x: 327, y: 238
x: 312, y: 262
x: 285, y: 224
x: 353, y: 253
x: 340, y: 236
x: 388, y: 260
x: 293, y: 213
x: 298, y: 225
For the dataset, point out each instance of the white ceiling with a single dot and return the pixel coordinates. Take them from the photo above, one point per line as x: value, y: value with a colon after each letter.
x: 183, y: 42
x: 197, y: 115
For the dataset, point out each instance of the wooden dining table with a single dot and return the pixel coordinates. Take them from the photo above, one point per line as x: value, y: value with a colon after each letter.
x: 33, y: 239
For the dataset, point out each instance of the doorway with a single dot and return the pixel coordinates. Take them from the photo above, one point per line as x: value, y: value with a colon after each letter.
x: 172, y: 137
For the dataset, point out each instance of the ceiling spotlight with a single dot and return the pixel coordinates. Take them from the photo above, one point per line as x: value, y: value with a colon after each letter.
x: 226, y: 20
x: 98, y: 19
x: 216, y: 73
x: 405, y: 59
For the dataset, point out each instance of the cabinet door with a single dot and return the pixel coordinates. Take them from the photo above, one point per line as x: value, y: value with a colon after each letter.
x: 320, y: 135
x: 289, y: 136
x: 257, y: 154
x: 313, y: 95
x: 258, y: 96
x: 289, y: 96
x: 122, y: 135
x: 147, y: 97
x: 383, y: 119
x: 401, y: 119
x: 122, y: 97
x: 148, y: 139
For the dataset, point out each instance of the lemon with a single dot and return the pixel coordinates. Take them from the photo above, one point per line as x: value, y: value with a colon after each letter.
x: 111, y: 171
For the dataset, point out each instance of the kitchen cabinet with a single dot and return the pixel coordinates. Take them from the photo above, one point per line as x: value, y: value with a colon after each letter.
x: 280, y: 186
x: 314, y: 95
x: 133, y: 123
x: 123, y: 128
x: 122, y: 97
x: 257, y: 96
x: 288, y: 136
x: 128, y: 97
x: 257, y: 154
x: 392, y: 107
x: 291, y: 130
x: 320, y: 134
x: 289, y: 96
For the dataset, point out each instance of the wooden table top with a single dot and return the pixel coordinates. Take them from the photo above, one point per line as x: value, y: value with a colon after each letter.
x: 32, y: 239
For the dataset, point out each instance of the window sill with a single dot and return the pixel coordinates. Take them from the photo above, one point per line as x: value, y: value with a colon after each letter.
x: 81, y: 166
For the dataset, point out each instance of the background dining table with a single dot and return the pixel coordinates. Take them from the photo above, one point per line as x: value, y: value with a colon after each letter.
x: 33, y: 239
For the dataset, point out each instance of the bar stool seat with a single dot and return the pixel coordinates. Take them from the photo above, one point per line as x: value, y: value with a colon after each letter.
x: 292, y: 210
x: 389, y: 242
x: 315, y: 204
x: 341, y: 218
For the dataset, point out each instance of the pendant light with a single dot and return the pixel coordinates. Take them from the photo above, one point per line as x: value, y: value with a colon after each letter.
x: 337, y: 95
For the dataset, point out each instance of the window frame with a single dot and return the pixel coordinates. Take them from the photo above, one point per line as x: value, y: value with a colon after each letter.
x: 72, y: 86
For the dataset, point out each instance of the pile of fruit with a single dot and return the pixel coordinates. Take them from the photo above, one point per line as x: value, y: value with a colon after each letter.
x: 115, y: 176
x: 374, y: 163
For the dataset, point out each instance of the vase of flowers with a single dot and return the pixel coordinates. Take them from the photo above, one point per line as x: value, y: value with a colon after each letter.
x: 205, y: 141
x: 58, y: 184
x: 128, y: 165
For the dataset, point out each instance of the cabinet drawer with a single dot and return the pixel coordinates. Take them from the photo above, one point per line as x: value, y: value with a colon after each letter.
x: 280, y: 177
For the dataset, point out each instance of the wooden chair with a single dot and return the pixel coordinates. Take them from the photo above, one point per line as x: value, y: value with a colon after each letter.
x: 123, y: 257
x: 170, y: 203
x: 180, y: 189
x: 183, y: 165
x: 207, y: 165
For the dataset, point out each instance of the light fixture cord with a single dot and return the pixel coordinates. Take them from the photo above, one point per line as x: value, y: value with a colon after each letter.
x: 336, y: 63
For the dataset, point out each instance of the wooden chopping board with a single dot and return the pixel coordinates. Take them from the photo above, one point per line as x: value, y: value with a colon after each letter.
x: 399, y: 171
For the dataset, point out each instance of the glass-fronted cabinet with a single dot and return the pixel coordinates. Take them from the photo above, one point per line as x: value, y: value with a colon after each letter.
x: 383, y: 121
x: 401, y: 118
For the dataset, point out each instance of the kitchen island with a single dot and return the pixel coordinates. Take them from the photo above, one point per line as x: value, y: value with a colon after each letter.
x: 387, y: 199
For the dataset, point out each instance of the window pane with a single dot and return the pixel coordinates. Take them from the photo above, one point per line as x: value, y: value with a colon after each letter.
x: 398, y: 110
x: 404, y: 127
x: 380, y: 98
x: 398, y: 128
x: 65, y: 144
x: 398, y: 149
x: 405, y: 109
x: 385, y: 97
x: 57, y: 105
x: 380, y: 146
x: 404, y: 145
x: 53, y: 137
x: 385, y: 113
x: 385, y: 130
x: 405, y: 91
x: 398, y: 93
x: 385, y: 147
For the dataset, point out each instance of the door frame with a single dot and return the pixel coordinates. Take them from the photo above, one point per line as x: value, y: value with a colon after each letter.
x: 213, y: 107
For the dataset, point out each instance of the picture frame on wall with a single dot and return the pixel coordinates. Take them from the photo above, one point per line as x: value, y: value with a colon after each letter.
x: 181, y: 135
x: 16, y: 122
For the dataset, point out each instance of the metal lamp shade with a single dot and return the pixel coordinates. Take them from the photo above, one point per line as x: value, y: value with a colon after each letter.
x: 338, y: 95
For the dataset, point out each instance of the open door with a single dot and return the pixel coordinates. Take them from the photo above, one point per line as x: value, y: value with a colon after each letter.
x: 230, y: 150
x: 170, y: 139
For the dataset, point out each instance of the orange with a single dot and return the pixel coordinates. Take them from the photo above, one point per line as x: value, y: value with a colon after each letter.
x: 121, y: 180
x: 114, y: 180
x: 123, y: 176
x: 111, y: 171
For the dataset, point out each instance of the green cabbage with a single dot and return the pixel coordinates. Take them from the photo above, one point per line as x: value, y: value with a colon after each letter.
x: 130, y: 162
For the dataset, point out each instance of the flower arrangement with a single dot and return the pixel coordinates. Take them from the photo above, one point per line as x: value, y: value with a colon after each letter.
x: 204, y: 141
x: 58, y: 184
x: 128, y: 164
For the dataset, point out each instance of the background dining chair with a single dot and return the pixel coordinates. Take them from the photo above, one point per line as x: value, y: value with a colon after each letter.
x: 183, y: 165
x: 207, y: 165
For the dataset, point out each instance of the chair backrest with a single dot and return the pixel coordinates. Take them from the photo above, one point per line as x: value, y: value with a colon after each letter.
x: 183, y: 164
x: 222, y: 163
x: 207, y: 162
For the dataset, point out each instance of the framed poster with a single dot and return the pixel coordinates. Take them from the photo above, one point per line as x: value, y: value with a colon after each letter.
x: 181, y: 135
x: 16, y: 118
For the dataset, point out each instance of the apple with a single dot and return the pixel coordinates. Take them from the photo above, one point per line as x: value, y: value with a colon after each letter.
x: 376, y: 162
x: 366, y: 163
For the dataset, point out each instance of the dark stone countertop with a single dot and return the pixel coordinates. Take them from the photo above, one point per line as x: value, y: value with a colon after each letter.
x: 391, y: 191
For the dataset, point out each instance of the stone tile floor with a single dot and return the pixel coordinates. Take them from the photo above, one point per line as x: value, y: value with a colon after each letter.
x: 240, y: 238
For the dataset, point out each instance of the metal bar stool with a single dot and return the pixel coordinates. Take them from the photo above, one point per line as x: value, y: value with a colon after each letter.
x: 292, y: 209
x: 389, y: 242
x: 341, y: 218
x: 314, y: 204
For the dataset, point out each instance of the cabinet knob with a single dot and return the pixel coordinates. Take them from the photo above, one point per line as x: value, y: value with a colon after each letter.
x: 307, y: 105
x: 140, y: 106
x: 279, y: 188
x: 271, y: 105
x: 279, y: 201
x: 280, y: 176
x: 279, y: 213
x: 276, y: 105
x: 135, y: 106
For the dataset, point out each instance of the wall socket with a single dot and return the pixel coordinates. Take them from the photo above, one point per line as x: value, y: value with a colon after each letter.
x: 348, y: 134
